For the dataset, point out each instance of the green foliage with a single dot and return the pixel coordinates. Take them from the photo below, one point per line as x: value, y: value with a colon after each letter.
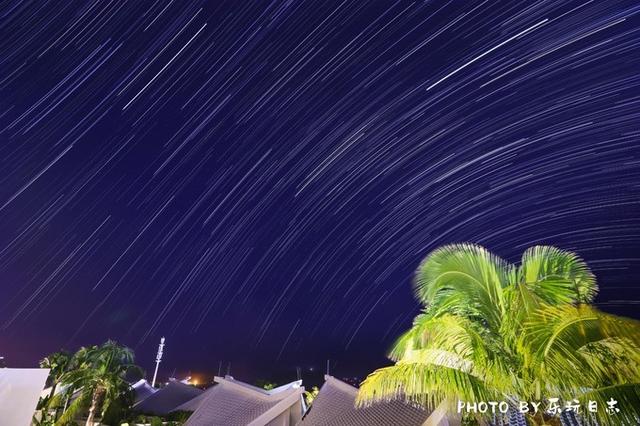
x: 491, y: 331
x: 118, y: 410
x: 95, y: 377
x: 179, y: 416
x: 156, y: 421
x: 265, y: 384
x: 175, y: 418
x: 310, y: 395
x: 58, y: 363
x: 77, y: 406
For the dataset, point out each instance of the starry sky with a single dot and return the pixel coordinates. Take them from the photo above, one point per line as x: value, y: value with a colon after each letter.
x: 258, y: 180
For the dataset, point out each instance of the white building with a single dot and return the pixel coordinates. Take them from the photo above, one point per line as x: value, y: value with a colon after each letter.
x: 234, y: 403
x: 143, y: 390
x: 335, y: 405
x: 20, y: 390
x: 167, y: 399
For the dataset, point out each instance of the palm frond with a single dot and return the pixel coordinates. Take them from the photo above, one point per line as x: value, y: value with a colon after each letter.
x: 579, y: 346
x: 557, y: 276
x: 492, y: 331
x: 625, y: 410
x: 465, y: 279
x: 74, y: 409
x: 567, y: 328
x: 423, y: 384
x: 452, y: 333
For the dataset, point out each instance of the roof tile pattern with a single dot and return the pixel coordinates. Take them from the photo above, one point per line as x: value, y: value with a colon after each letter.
x: 233, y: 403
x: 142, y: 390
x: 168, y: 398
x: 224, y: 406
x: 335, y: 405
x: 194, y: 403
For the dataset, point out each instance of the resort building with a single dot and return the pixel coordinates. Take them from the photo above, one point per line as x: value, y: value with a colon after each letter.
x: 20, y: 390
x: 335, y: 405
x: 142, y: 390
x: 234, y: 403
x: 167, y: 399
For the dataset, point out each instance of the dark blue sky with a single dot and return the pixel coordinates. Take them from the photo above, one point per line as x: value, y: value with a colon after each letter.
x: 257, y: 181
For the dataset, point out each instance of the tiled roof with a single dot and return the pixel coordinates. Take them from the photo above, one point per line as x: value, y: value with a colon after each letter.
x: 234, y: 403
x: 168, y: 398
x: 143, y: 390
x: 335, y: 405
x: 193, y: 404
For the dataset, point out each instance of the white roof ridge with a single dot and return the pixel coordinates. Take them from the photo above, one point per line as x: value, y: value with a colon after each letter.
x: 291, y: 385
x: 274, y: 394
x: 141, y: 382
x: 346, y: 387
x: 335, y: 405
x: 278, y: 408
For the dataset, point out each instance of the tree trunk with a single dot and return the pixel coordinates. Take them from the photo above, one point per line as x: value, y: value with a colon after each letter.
x: 94, y: 407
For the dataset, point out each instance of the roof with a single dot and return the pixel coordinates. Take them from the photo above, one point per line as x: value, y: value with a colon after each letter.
x: 335, y: 405
x: 168, y: 398
x: 143, y: 390
x: 234, y: 403
x: 194, y: 403
x: 19, y: 392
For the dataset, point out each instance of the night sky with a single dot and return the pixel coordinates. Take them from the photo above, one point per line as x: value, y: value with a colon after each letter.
x: 257, y: 181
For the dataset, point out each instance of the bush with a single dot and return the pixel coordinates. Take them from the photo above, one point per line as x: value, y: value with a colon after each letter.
x: 117, y: 412
x: 179, y: 416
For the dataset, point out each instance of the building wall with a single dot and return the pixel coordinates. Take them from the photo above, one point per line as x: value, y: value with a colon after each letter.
x: 291, y: 417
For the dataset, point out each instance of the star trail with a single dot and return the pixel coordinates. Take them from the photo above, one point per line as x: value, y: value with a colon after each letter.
x: 262, y: 178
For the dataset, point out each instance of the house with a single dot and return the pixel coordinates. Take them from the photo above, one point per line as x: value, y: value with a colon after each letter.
x: 20, y: 390
x: 335, y: 405
x: 142, y: 390
x: 165, y: 400
x: 234, y: 403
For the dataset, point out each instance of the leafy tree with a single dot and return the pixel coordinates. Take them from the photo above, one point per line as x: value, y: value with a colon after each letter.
x: 179, y: 416
x: 310, y: 395
x: 99, y: 380
x: 492, y: 331
x: 265, y: 384
x: 58, y: 363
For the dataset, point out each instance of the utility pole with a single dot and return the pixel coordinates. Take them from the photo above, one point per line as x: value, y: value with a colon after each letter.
x: 158, y: 360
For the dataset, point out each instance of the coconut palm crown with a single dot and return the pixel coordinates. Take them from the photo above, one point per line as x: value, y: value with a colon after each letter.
x: 100, y: 380
x: 493, y: 331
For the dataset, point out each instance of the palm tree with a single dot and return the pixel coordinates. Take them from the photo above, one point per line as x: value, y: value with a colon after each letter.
x: 99, y: 380
x: 57, y: 363
x: 493, y: 331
